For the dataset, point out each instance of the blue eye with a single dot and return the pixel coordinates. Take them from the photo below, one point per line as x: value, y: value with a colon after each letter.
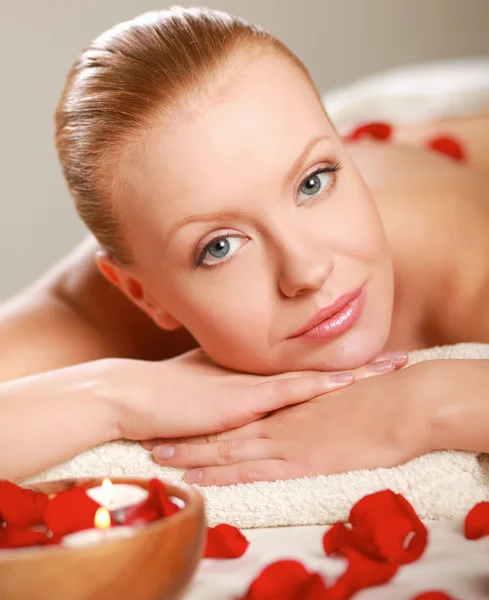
x: 224, y: 247
x: 319, y: 181
x: 221, y: 249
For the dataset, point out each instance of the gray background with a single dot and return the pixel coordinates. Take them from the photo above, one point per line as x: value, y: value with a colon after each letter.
x: 339, y: 40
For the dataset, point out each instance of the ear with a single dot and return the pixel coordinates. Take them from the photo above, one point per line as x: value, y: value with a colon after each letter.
x: 134, y: 290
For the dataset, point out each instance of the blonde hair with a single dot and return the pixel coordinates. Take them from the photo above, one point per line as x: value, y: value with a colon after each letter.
x: 127, y: 80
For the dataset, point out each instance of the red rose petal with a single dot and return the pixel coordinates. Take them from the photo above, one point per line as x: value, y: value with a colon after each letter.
x: 69, y: 511
x: 158, y: 490
x: 477, y: 521
x: 447, y: 145
x: 225, y: 541
x: 156, y: 506
x: 385, y: 533
x: 287, y: 580
x: 21, y: 507
x: 385, y: 526
x: 377, y: 130
x: 362, y: 572
x: 20, y: 537
x: 335, y: 539
x: 53, y: 539
x: 435, y: 595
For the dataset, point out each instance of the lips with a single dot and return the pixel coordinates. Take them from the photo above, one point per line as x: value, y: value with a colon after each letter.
x: 328, y: 311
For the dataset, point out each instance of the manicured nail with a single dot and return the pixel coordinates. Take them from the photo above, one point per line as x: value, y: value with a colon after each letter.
x: 346, y: 377
x: 194, y: 476
x: 382, y: 366
x: 164, y: 451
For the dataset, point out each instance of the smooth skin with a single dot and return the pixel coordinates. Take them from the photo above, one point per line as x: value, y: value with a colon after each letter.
x: 428, y: 406
x: 73, y: 315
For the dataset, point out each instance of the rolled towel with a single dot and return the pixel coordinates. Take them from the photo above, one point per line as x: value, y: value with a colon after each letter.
x: 444, y: 484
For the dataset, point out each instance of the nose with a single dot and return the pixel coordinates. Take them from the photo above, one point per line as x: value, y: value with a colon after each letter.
x: 305, y: 266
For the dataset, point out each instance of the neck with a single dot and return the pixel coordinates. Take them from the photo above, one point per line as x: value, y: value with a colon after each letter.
x: 411, y: 302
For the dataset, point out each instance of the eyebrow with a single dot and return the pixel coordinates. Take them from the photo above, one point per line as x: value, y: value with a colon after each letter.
x: 296, y: 167
x: 221, y: 215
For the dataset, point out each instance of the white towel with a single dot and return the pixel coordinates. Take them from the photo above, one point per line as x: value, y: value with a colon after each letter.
x: 443, y: 484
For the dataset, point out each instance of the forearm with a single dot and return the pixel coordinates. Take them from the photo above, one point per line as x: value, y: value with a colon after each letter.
x: 458, y: 402
x: 46, y: 419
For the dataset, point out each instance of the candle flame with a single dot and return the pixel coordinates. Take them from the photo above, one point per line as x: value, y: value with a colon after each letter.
x: 107, y: 484
x: 102, y: 518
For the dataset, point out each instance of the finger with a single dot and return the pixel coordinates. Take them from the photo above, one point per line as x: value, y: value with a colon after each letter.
x: 376, y: 368
x: 245, y: 472
x: 291, y: 375
x: 150, y: 444
x: 399, y: 358
x: 271, y: 395
x: 227, y: 452
x: 251, y: 430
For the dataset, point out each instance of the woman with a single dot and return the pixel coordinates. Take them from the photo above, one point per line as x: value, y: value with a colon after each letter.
x: 225, y: 204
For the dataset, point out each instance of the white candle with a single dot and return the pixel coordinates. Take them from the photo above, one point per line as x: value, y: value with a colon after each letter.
x: 102, y: 532
x: 87, y: 537
x: 117, y: 496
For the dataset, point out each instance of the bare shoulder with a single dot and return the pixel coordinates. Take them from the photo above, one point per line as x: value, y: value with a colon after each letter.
x: 78, y: 281
x: 71, y: 315
x: 435, y: 213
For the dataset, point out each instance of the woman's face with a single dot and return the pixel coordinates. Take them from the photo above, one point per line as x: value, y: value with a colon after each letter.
x: 246, y: 217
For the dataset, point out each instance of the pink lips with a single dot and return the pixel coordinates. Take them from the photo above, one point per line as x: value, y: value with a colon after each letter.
x: 334, y: 319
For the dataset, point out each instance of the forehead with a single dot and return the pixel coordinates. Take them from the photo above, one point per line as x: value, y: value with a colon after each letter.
x: 231, y: 145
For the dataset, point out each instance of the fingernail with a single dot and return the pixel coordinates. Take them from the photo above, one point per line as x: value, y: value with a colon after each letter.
x: 398, y: 356
x: 345, y: 377
x: 164, y: 451
x: 382, y: 366
x: 194, y: 476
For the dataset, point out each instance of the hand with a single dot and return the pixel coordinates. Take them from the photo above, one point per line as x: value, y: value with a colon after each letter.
x: 378, y: 422
x: 190, y: 395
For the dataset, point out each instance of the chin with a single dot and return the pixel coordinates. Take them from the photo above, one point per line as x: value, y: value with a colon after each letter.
x: 353, y: 349
x: 350, y: 351
x: 352, y: 357
x: 362, y: 344
x: 356, y: 350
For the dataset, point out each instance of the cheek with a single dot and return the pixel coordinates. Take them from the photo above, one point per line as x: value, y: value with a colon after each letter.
x: 357, y: 228
x: 223, y: 312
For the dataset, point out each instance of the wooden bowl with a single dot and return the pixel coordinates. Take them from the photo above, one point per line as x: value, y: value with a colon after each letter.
x: 156, y: 563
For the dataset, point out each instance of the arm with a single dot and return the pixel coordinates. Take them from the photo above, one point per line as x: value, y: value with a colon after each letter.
x: 48, y: 418
x: 378, y: 422
x: 73, y: 315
